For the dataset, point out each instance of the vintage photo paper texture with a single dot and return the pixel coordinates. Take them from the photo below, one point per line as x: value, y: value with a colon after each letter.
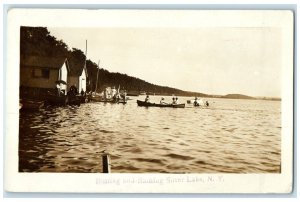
x: 149, y: 101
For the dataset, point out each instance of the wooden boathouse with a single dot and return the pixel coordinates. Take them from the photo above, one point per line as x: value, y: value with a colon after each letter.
x: 39, y: 75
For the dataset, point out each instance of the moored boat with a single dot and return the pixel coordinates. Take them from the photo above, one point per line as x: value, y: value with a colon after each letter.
x: 114, y: 101
x: 95, y: 98
x: 149, y: 104
x: 30, y: 104
x: 83, y: 98
x: 62, y: 100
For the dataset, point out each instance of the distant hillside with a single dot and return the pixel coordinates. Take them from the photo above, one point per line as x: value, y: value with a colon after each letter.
x: 269, y: 98
x: 237, y: 96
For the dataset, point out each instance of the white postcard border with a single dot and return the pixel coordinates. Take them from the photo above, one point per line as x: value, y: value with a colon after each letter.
x: 146, y: 183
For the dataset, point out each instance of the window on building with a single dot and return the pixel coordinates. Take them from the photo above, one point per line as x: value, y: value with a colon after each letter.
x: 41, y: 73
x: 45, y: 73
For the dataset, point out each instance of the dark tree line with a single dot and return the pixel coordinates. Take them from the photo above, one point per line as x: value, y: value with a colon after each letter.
x: 38, y: 41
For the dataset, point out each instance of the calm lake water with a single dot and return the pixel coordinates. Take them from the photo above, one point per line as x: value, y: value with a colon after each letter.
x: 230, y: 136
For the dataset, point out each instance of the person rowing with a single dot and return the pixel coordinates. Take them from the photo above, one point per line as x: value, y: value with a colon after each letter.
x: 206, y: 103
x: 196, y: 102
x: 162, y: 101
x: 175, y: 101
x: 147, y: 99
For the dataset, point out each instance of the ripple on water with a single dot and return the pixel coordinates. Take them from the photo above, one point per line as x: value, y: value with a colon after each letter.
x: 234, y: 136
x: 178, y: 156
x: 126, y: 168
x: 150, y: 160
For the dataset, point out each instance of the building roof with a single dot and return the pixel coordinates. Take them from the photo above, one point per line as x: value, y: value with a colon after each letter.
x: 42, y: 61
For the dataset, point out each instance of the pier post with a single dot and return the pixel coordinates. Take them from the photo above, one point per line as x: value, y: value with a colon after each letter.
x: 106, y: 163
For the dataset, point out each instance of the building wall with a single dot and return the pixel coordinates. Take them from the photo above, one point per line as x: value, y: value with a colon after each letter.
x: 82, y: 82
x: 29, y: 79
x: 63, y: 75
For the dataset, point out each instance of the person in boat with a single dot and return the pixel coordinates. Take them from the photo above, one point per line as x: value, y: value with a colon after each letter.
x: 175, y: 100
x: 196, y: 102
x: 206, y: 103
x: 73, y: 90
x: 114, y: 98
x: 162, y: 101
x: 57, y: 89
x: 118, y: 97
x: 113, y: 92
x: 71, y: 94
x: 123, y: 96
x: 82, y: 92
x: 147, y: 99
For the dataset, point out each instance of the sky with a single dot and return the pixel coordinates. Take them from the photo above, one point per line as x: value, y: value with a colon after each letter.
x: 220, y: 60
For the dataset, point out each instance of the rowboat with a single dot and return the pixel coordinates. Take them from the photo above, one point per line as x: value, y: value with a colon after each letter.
x: 95, y: 98
x: 62, y: 100
x: 198, y: 103
x: 148, y: 104
x: 113, y: 101
x: 30, y: 104
x: 82, y: 98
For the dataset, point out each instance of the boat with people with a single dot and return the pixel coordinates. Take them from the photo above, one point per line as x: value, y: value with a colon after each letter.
x: 95, y: 97
x: 110, y: 95
x: 60, y: 98
x: 83, y: 98
x: 149, y: 104
x: 197, y: 102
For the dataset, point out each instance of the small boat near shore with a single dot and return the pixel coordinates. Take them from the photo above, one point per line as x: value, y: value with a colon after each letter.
x: 62, y: 100
x: 110, y: 95
x: 148, y: 104
x: 82, y: 98
x: 198, y: 103
x: 95, y: 98
x: 114, y: 101
x: 101, y: 99
x: 30, y: 104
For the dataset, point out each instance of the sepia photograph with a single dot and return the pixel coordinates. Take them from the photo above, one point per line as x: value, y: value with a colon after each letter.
x: 155, y: 98
x: 171, y: 100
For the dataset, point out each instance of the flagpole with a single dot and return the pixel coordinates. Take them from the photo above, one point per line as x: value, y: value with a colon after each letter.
x: 97, y: 76
x: 85, y: 69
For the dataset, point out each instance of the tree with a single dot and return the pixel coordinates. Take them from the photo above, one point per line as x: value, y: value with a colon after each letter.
x: 38, y: 41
